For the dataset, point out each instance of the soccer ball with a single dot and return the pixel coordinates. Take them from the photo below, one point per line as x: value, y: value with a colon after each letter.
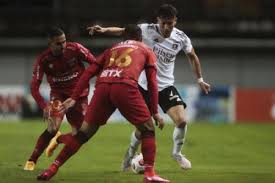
x: 137, y: 164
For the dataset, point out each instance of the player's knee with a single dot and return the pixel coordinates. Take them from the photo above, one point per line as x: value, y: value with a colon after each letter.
x: 181, y: 124
x: 137, y: 134
x: 180, y: 121
x: 53, y: 130
x: 148, y: 126
x: 49, y: 134
x: 81, y: 137
x: 147, y: 134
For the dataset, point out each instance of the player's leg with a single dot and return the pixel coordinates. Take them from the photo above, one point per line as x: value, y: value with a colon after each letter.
x: 132, y: 106
x: 172, y: 104
x: 98, y: 112
x: 54, y: 121
x: 176, y: 113
x: 148, y: 149
x: 75, y: 117
x: 135, y: 138
x: 72, y: 145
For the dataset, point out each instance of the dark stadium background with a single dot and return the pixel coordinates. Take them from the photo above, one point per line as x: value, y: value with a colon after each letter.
x: 232, y: 136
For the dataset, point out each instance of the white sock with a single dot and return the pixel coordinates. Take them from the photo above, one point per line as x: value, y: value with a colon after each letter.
x: 178, y: 139
x: 134, y: 144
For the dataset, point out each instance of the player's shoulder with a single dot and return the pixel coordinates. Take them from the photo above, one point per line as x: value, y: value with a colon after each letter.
x: 43, y: 56
x: 179, y: 34
x: 125, y: 44
x: 145, y: 48
x: 74, y: 46
x: 148, y: 26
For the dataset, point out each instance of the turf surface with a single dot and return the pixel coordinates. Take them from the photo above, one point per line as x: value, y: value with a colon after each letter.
x: 220, y: 153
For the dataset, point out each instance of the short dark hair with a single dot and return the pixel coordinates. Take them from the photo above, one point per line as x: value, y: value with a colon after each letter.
x: 133, y: 32
x: 167, y: 11
x: 54, y: 31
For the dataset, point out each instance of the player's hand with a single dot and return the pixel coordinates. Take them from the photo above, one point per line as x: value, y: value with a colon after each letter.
x: 96, y: 29
x: 67, y: 104
x: 159, y: 120
x: 47, y: 116
x: 205, y: 87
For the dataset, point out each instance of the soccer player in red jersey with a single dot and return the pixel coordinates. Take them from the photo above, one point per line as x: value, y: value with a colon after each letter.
x: 62, y: 63
x: 117, y: 70
x: 167, y: 42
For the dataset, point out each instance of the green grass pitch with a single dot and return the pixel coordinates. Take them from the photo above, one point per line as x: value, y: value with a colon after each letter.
x: 220, y: 153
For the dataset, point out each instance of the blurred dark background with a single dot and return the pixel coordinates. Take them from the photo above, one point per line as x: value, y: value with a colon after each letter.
x: 200, y: 18
x: 233, y: 38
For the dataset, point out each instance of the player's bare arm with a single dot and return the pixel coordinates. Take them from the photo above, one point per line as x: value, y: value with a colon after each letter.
x: 115, y: 31
x: 159, y: 120
x: 195, y: 63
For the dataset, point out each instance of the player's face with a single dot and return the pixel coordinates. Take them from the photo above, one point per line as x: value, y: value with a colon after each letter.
x: 166, y: 25
x: 57, y: 44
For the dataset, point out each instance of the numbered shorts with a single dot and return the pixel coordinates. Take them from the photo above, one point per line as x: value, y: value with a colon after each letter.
x: 168, y: 97
x: 109, y: 97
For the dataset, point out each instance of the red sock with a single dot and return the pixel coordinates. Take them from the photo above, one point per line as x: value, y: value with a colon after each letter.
x: 72, y: 145
x: 148, y: 149
x: 64, y: 138
x: 41, y: 145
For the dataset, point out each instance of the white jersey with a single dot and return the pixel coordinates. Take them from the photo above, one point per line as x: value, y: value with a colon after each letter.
x: 166, y: 50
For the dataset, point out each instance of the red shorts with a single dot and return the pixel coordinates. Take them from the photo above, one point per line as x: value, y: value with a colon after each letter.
x: 108, y: 97
x: 75, y: 115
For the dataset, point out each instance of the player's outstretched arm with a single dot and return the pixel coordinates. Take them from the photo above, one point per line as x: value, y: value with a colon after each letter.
x: 115, y: 31
x: 195, y: 63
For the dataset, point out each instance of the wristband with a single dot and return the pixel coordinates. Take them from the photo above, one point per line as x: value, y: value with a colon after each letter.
x: 200, y: 80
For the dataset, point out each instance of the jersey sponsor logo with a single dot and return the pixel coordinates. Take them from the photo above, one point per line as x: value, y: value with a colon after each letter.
x: 164, y: 55
x: 111, y: 73
x: 65, y: 78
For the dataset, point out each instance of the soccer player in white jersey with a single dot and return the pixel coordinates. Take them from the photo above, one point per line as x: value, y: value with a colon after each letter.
x: 166, y: 41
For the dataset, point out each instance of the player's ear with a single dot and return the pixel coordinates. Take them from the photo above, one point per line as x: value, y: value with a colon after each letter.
x: 158, y: 19
x: 49, y: 41
x: 175, y: 21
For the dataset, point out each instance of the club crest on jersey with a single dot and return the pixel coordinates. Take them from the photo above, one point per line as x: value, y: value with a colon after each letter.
x: 175, y: 46
x: 111, y: 73
x: 156, y: 40
x: 50, y: 66
x: 72, y: 62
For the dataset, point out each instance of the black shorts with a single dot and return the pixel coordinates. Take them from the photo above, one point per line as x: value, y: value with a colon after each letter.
x: 168, y: 97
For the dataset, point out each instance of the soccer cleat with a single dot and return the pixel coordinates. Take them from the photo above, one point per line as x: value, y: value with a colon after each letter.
x: 182, y: 161
x: 48, y: 173
x: 155, y: 179
x: 29, y: 166
x: 52, y: 145
x: 126, y: 164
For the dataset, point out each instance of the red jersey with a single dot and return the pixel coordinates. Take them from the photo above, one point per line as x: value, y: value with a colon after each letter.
x: 123, y: 62
x: 62, y: 72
